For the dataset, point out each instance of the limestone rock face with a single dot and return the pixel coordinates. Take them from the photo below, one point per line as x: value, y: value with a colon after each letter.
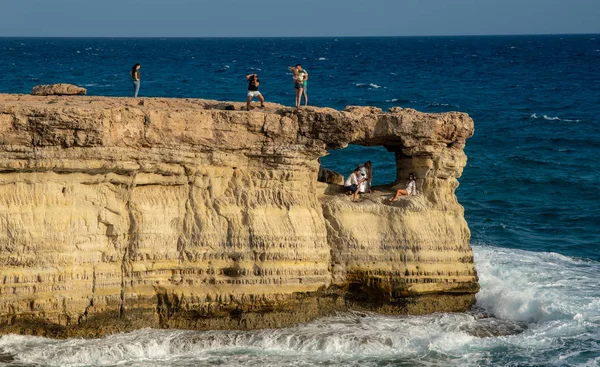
x: 117, y: 214
x: 57, y: 90
x: 330, y: 176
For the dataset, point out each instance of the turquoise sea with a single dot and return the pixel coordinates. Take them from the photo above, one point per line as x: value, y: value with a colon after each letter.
x: 529, y: 189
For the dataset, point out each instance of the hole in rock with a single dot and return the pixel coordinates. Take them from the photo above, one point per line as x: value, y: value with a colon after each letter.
x: 344, y: 161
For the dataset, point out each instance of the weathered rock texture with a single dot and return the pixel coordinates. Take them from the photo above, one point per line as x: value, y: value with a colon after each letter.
x: 57, y: 90
x: 329, y: 176
x: 117, y: 214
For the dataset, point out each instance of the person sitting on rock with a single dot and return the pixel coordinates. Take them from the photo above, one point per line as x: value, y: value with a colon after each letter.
x: 353, y: 182
x: 411, y: 188
x: 253, y: 84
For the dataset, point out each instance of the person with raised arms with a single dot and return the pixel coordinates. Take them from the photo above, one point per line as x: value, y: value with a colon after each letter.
x: 298, y: 77
x: 253, y: 83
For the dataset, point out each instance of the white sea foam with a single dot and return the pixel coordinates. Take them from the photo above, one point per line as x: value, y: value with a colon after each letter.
x: 370, y: 85
x: 439, y: 104
x: 322, y: 58
x: 551, y: 118
x: 537, y: 287
x: 559, y: 298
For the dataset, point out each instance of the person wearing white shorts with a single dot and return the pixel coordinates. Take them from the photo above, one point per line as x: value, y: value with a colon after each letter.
x: 253, y: 83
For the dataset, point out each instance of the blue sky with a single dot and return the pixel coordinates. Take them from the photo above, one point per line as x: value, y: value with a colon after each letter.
x: 233, y: 18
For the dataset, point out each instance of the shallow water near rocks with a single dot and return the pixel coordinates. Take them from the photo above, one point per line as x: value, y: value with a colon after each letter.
x: 529, y: 189
x: 531, y: 318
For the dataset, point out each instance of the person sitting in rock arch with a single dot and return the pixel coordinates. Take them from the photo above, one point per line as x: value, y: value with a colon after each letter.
x: 410, y: 190
x: 352, y: 184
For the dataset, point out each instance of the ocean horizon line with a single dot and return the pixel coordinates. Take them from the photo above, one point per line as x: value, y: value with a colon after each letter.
x: 305, y: 37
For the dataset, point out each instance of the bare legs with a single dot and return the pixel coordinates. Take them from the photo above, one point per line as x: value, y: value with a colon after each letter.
x: 248, y: 103
x: 299, y: 92
x: 400, y: 192
x: 305, y: 97
x: 260, y: 98
x: 353, y: 190
x: 355, y: 194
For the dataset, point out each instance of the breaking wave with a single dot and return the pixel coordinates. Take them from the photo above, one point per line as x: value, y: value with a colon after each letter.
x: 537, y: 308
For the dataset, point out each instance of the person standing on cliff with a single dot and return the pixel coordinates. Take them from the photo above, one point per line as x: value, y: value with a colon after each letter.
x: 353, y: 183
x: 253, y: 83
x: 305, y: 90
x: 411, y: 188
x: 135, y: 75
x: 298, y: 78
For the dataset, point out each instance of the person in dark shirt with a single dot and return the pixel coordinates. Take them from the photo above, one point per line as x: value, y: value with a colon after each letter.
x: 253, y: 83
x: 135, y: 75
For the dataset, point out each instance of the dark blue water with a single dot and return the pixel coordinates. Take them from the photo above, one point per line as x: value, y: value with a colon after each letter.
x: 530, y: 186
x: 533, y: 167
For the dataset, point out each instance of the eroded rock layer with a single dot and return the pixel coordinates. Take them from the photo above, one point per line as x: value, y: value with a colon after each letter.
x: 120, y: 213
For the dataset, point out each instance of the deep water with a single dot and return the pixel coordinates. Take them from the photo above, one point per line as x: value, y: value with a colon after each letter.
x: 529, y: 188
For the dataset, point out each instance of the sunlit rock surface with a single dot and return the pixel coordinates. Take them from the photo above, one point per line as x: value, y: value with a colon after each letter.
x: 57, y: 90
x: 118, y: 213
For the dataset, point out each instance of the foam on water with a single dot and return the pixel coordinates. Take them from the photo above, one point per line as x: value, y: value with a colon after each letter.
x: 368, y: 85
x: 530, y: 183
x: 552, y: 118
x: 558, y: 297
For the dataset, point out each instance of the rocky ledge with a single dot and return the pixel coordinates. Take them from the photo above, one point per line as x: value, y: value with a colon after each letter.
x: 121, y: 213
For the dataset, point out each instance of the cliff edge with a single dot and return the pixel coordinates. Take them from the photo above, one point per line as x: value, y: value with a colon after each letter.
x: 120, y: 213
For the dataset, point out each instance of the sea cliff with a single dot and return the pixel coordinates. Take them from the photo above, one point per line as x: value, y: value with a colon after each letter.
x: 119, y: 213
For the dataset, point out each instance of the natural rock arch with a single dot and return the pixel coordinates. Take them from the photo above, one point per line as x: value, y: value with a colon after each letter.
x: 119, y: 214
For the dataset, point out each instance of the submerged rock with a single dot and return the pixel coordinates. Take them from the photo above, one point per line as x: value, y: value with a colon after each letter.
x: 486, y: 325
x: 493, y: 327
x: 194, y: 214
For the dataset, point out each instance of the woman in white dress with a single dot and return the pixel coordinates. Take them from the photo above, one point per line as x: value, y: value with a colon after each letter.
x: 366, y: 171
x: 411, y: 188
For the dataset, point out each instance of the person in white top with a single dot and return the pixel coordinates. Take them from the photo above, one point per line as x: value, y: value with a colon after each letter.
x: 353, y: 182
x: 366, y: 171
x: 298, y: 82
x: 411, y: 188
